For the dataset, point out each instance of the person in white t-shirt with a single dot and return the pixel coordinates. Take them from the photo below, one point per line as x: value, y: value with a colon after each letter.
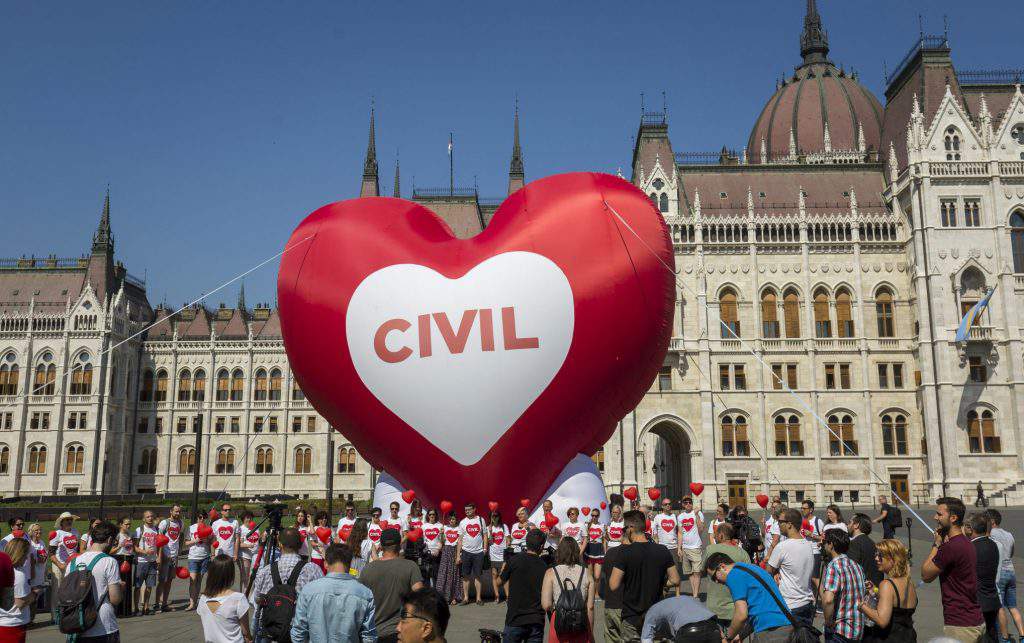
x: 373, y: 531
x: 433, y: 539
x: 303, y: 526
x: 146, y: 565
x: 39, y: 556
x: 106, y: 578
x: 616, y: 527
x: 317, y: 547
x: 554, y: 534
x: 17, y: 526
x: 518, y: 530
x: 498, y: 535
x: 248, y: 546
x: 393, y: 520
x: 225, y: 534
x: 793, y: 560
x: 469, y: 553
x: 171, y: 527
x: 812, y: 529
x: 721, y: 512
x: 691, y: 547
x: 198, y: 558
x: 15, y: 619
x: 223, y: 611
x: 593, y: 553
x: 63, y: 545
x: 575, y: 529
x: 665, y: 532
x: 345, y: 524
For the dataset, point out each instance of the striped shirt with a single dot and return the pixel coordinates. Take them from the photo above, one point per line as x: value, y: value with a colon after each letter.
x: 845, y: 578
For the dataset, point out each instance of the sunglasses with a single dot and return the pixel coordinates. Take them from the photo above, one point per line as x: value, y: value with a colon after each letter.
x: 408, y: 615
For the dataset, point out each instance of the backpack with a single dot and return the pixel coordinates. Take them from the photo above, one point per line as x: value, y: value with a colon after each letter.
x: 894, y: 516
x: 571, y: 607
x: 77, y: 606
x: 279, y: 605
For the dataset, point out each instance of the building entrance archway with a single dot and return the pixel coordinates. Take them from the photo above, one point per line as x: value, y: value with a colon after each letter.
x: 665, y: 459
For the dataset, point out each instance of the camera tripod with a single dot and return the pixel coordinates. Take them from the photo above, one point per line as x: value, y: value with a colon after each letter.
x: 270, y: 550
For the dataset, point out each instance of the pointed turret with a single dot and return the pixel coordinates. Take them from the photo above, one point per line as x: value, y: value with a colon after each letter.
x: 241, y: 297
x: 103, y: 238
x: 814, y: 39
x: 398, y: 182
x: 371, y: 184
x: 516, y: 174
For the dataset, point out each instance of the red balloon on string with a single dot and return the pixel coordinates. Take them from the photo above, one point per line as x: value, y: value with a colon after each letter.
x: 550, y: 520
x: 630, y: 493
x: 762, y: 500
x: 323, y: 533
x: 252, y: 525
x: 162, y: 540
x: 586, y: 511
x: 214, y: 514
x: 126, y: 567
x: 697, y: 488
x: 181, y: 573
x: 203, y: 531
x: 446, y: 507
x: 215, y: 544
x: 408, y: 496
x: 493, y: 506
x: 648, y: 527
x: 524, y: 502
x: 53, y: 535
x: 604, y: 505
x: 414, y: 535
x: 654, y: 493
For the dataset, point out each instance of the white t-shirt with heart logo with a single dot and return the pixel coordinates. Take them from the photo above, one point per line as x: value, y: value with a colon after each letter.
x: 499, y: 541
x: 66, y: 543
x: 666, y: 528
x: 575, y: 530
x: 517, y: 536
x: 615, y: 531
x: 595, y: 531
x: 251, y: 536
x: 345, y: 528
x: 432, y: 536
x: 689, y: 525
x: 373, y: 531
x: 171, y: 529
x: 201, y: 550
x: 225, y: 532
x: 451, y: 535
x: 472, y: 530
x: 145, y: 537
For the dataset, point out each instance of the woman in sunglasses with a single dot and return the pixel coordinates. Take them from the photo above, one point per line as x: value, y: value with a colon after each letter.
x: 897, y: 598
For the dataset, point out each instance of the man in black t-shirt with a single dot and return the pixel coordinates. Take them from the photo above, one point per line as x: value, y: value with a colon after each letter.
x: 987, y: 554
x: 524, y: 576
x: 885, y: 518
x: 862, y: 548
x: 642, y: 571
x: 612, y: 600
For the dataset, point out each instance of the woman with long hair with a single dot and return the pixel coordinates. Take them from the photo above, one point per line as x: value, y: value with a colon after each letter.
x: 593, y: 553
x: 248, y: 545
x: 362, y: 547
x: 432, y: 541
x: 568, y: 573
x: 223, y: 611
x: 316, y: 546
x: 124, y: 552
x: 496, y: 551
x: 897, y: 597
x: 448, y: 581
x: 833, y: 520
x: 14, y: 620
x: 39, y: 551
x: 303, y: 526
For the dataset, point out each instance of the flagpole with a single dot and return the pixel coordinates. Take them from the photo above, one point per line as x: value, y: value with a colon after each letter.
x: 451, y: 165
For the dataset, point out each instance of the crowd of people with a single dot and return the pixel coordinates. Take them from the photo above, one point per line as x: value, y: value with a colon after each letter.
x: 395, y: 577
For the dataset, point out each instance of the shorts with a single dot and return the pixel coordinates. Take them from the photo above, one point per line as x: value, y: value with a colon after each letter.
x: 198, y: 566
x: 692, y: 561
x: 472, y: 564
x: 1006, y: 585
x: 594, y: 553
x: 167, y: 569
x: 145, y: 572
x: 816, y: 570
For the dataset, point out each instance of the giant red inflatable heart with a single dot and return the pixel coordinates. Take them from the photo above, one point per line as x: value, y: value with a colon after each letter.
x: 448, y: 361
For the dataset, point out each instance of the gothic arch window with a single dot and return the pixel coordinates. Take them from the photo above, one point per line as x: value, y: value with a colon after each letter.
x: 8, y: 375
x: 769, y: 314
x: 346, y: 459
x: 5, y: 459
x: 113, y: 377
x: 1017, y: 134
x: 237, y: 385
x: 161, y: 386
x: 184, y: 385
x: 275, y: 385
x: 787, y: 435
x: 259, y: 387
x: 663, y: 202
x: 1017, y: 239
x: 981, y: 432
x: 841, y: 440
x: 37, y: 458
x: 735, y: 437
x: 952, y: 144
x: 81, y: 375
x: 46, y: 377
x: 225, y: 460
x: 791, y: 312
x: 147, y: 462
x: 223, y: 384
x: 844, y: 313
x: 297, y: 394
x: 146, y: 390
x: 303, y: 460
x: 894, y: 434
x: 822, y: 320
x: 728, y: 311
x: 654, y: 198
x: 74, y: 458
x: 972, y: 289
x: 186, y: 460
x: 884, y: 314
x: 199, y: 385
x: 265, y: 459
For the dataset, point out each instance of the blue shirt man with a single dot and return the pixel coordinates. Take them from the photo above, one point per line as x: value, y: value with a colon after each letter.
x: 755, y: 602
x: 336, y: 608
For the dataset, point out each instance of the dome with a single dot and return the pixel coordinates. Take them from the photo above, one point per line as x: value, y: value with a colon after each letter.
x: 818, y: 98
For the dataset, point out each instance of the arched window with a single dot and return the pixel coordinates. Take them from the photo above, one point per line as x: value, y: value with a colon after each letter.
x: 791, y: 312
x: 259, y: 387
x: 275, y: 385
x: 884, y: 313
x: 297, y: 394
x: 186, y: 460
x: 223, y: 382
x: 729, y: 313
x: 598, y: 456
x: 1017, y: 240
x: 769, y: 315
x: 787, y: 436
x: 113, y: 378
x: 161, y: 386
x: 894, y: 434
x: 844, y: 313
x: 199, y: 385
x: 840, y: 436
x: 146, y: 390
x: 265, y: 460
x: 5, y: 459
x: 972, y: 289
x: 185, y: 385
x: 952, y: 144
x: 346, y: 460
x: 237, y: 385
x: 225, y: 460
x: 822, y: 320
x: 81, y: 375
x: 303, y: 460
x: 74, y: 458
x: 8, y: 376
x: 37, y: 459
x: 981, y: 432
x: 735, y: 440
x: 663, y: 202
x: 147, y: 462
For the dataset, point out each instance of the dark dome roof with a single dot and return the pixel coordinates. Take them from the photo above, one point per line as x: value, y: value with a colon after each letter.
x: 818, y: 94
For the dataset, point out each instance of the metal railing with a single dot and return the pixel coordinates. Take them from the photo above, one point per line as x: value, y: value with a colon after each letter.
x: 654, y: 118
x: 924, y: 42
x: 990, y: 76
x: 442, y: 192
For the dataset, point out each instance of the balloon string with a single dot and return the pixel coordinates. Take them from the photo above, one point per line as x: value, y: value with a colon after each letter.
x: 844, y: 445
x: 227, y: 283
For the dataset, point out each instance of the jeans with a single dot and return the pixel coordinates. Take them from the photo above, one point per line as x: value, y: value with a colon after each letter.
x: 832, y: 637
x: 804, y: 614
x: 523, y: 634
x: 1006, y: 585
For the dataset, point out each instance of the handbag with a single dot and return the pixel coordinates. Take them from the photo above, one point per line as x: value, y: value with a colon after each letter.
x: 802, y: 633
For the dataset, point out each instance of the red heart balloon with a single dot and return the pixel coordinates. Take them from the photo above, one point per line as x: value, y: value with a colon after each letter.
x: 550, y: 520
x: 449, y: 360
x: 630, y: 493
x: 324, y: 534
x: 446, y: 507
x: 126, y: 567
x: 696, y: 488
x: 585, y: 511
x: 408, y: 496
x: 215, y: 544
x: 524, y: 502
x: 203, y: 531
x: 214, y: 514
x: 162, y: 540
x: 492, y: 505
x: 53, y: 534
x: 654, y: 493
x: 181, y: 572
x: 604, y: 505
x: 252, y: 525
x: 762, y: 500
x: 414, y: 535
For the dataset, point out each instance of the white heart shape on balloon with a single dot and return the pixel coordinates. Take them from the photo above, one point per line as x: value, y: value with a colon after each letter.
x: 478, y: 350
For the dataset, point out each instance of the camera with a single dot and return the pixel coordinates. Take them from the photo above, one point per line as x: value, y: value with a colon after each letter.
x: 274, y: 512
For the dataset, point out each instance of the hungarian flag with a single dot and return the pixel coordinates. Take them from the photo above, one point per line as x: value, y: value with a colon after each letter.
x: 972, y: 316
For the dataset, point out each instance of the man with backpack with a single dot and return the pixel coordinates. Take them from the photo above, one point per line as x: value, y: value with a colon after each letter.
x: 390, y: 577
x: 91, y: 590
x: 890, y: 517
x: 277, y: 587
x: 642, y: 571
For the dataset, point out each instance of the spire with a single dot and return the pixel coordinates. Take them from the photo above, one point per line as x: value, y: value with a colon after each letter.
x: 894, y: 168
x: 371, y: 186
x: 814, y: 39
x: 516, y: 174
x: 103, y: 239
x: 398, y: 183
x: 241, y: 297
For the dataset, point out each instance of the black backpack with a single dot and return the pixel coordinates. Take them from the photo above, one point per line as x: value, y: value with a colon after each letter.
x: 571, y: 607
x: 77, y: 605
x: 279, y: 605
x: 894, y: 516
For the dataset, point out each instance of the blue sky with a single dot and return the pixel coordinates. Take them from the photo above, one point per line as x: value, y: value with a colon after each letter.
x: 220, y: 125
